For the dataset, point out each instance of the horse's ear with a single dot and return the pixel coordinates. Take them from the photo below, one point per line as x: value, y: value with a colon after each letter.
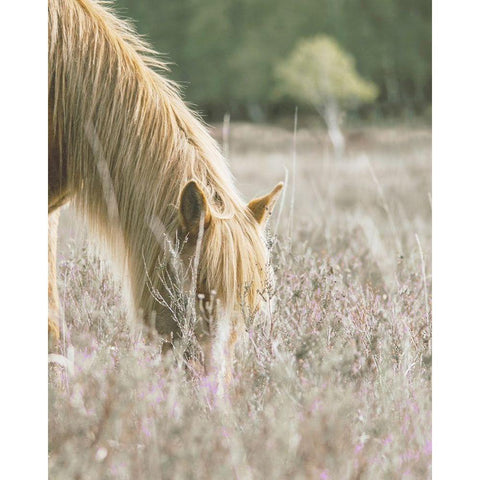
x: 193, y: 208
x: 262, y: 207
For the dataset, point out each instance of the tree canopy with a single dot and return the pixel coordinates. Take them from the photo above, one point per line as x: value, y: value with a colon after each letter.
x: 319, y: 71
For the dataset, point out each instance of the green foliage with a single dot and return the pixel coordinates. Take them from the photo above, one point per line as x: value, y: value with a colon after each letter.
x: 319, y: 71
x: 224, y: 52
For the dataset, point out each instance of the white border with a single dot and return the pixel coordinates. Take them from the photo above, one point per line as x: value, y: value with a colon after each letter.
x: 23, y: 354
x: 456, y: 234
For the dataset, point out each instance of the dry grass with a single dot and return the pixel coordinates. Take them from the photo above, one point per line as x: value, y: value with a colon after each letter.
x: 336, y: 386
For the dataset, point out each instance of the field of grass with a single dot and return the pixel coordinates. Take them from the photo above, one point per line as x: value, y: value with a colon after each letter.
x: 336, y: 385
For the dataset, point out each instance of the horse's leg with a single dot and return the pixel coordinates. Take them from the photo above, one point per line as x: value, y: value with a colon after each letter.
x: 58, y: 195
x: 53, y: 300
x: 219, y: 354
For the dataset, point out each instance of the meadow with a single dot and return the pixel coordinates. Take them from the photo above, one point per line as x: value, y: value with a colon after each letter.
x: 333, y: 383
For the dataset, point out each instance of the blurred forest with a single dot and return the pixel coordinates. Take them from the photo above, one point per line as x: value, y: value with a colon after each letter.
x: 225, y: 52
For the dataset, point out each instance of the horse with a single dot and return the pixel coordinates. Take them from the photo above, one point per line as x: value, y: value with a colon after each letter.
x: 152, y: 183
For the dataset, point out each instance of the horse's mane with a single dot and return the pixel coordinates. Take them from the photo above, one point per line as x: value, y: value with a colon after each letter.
x: 131, y: 145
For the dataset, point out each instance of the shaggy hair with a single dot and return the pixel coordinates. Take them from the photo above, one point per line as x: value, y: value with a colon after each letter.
x: 131, y: 145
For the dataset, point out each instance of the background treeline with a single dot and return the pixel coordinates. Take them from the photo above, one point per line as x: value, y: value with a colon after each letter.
x: 224, y: 52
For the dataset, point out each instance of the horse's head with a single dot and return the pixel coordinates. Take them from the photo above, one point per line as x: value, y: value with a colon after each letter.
x: 227, y: 253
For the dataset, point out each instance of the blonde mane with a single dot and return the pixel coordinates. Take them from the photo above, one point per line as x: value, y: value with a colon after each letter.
x: 132, y: 144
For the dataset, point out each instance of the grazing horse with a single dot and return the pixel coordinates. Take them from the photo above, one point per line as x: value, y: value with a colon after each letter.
x: 152, y: 183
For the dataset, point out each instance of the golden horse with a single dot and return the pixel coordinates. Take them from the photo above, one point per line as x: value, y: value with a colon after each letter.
x: 152, y: 183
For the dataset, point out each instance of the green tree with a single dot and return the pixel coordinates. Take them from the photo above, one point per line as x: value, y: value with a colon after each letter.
x: 319, y: 72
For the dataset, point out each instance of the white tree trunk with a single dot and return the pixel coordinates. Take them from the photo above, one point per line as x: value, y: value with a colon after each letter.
x: 331, y: 115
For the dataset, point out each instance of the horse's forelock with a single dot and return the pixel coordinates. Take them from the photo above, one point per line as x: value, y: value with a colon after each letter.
x: 233, y: 261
